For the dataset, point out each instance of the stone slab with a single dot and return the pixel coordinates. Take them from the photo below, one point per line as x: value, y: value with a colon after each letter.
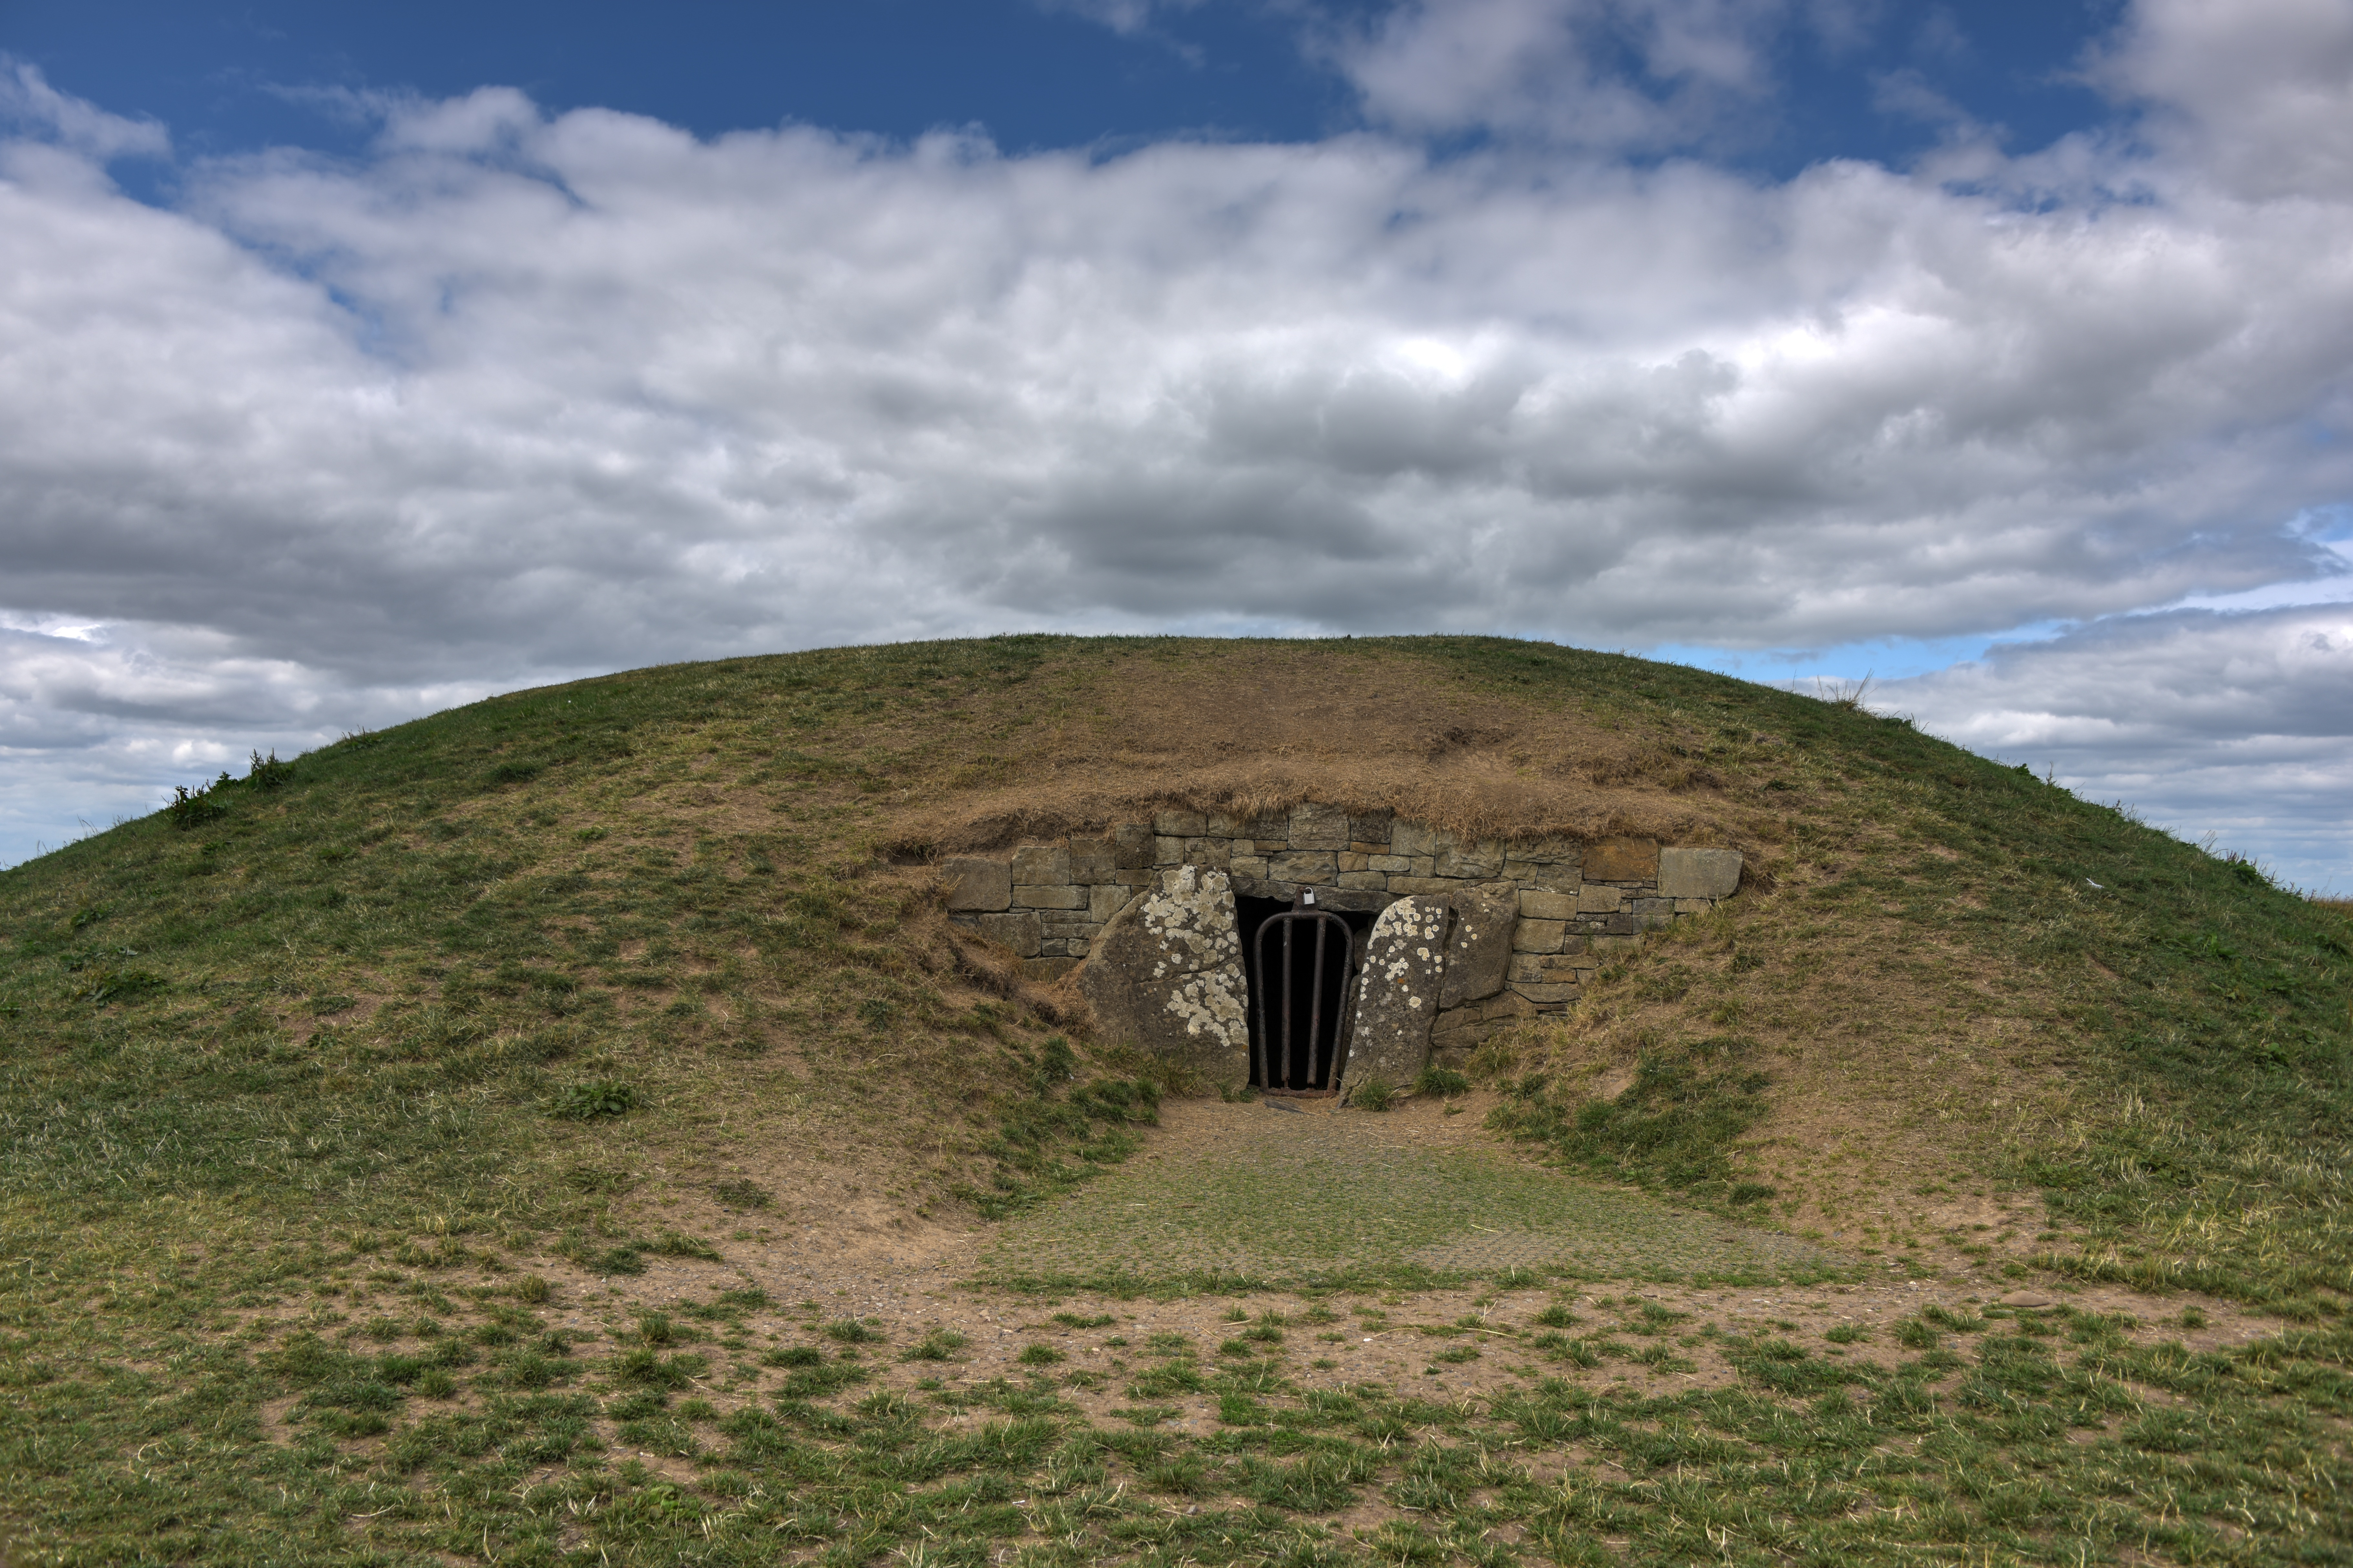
x: 1479, y: 944
x: 1303, y: 866
x: 1041, y: 866
x: 1107, y: 900
x: 977, y: 884
x: 1314, y: 826
x: 1212, y: 853
x: 1398, y: 1000
x: 1622, y: 860
x: 1544, y: 995
x: 1180, y: 824
x: 1021, y: 932
x: 1064, y: 897
x: 1371, y: 827
x: 1132, y: 847
x: 1094, y: 860
x: 1167, y: 976
x: 1538, y: 936
x: 1474, y: 861
x: 1543, y: 906
x: 1698, y: 873
x: 1593, y: 901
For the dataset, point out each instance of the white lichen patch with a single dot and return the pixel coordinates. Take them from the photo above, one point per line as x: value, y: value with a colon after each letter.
x: 1189, y: 924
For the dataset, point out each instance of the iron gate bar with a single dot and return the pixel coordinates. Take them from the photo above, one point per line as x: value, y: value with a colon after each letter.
x: 1325, y: 921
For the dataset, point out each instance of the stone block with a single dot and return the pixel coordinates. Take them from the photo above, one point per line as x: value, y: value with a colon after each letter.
x: 1021, y: 931
x: 977, y: 884
x: 1394, y: 865
x: 1093, y: 860
x: 1046, y: 971
x: 1251, y: 866
x: 1167, y: 976
x: 1058, y: 947
x: 1179, y: 823
x: 1410, y: 839
x: 1314, y: 826
x: 1132, y: 847
x: 1475, y: 862
x: 1353, y: 860
x: 1304, y: 865
x: 1610, y: 947
x: 1651, y: 913
x: 1542, y: 968
x: 1537, y: 936
x: 1141, y: 877
x: 1398, y: 999
x: 1622, y: 860
x: 1041, y: 867
x: 1541, y: 906
x: 1478, y: 946
x: 1698, y: 873
x: 1593, y: 901
x: 1167, y: 851
x: 1107, y: 900
x: 1540, y: 995
x: 1063, y: 897
x: 1364, y: 880
x: 1573, y: 944
x: 1216, y: 854
x: 1424, y: 886
x: 1373, y: 828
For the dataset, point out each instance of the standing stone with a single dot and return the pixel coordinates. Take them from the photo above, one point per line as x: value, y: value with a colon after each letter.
x: 1398, y: 1000
x: 1166, y: 975
x: 1698, y: 873
x: 1479, y: 948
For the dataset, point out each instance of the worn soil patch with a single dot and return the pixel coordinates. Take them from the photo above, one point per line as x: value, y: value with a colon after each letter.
x: 1300, y: 1192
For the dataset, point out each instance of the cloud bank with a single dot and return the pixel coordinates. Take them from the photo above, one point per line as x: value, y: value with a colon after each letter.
x: 516, y: 396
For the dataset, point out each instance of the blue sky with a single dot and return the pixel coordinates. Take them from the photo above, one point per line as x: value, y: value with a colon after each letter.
x: 358, y: 362
x: 1860, y: 78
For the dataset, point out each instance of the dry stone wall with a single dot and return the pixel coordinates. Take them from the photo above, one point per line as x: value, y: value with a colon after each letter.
x: 1570, y: 905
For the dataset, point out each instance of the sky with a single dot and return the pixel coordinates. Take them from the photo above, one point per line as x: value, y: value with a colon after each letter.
x: 356, y: 362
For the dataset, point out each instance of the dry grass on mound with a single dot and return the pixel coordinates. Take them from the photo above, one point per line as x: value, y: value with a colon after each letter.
x: 1256, y: 728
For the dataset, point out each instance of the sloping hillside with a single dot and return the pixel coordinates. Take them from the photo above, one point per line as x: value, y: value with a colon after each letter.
x: 642, y: 966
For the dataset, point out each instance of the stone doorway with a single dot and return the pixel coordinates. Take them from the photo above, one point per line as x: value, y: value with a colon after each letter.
x: 1300, y: 1032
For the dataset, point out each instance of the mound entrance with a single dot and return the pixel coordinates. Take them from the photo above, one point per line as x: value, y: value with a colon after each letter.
x: 1447, y: 940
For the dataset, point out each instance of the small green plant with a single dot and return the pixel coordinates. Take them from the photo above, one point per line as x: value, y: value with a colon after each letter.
x: 531, y: 1289
x: 192, y: 808
x: 793, y: 1355
x: 852, y: 1331
x: 1558, y: 1316
x: 603, y: 1097
x: 1085, y: 1320
x: 1372, y: 1095
x: 743, y: 1194
x: 1443, y: 1082
x: 1847, y: 1334
x: 1040, y: 1355
x: 268, y: 773
x: 940, y: 1344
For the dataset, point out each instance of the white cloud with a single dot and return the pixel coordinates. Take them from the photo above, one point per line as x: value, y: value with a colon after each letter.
x: 29, y: 102
x: 2232, y: 725
x: 514, y: 397
x: 1558, y: 68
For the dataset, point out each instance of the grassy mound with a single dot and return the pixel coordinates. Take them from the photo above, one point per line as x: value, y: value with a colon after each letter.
x: 646, y: 970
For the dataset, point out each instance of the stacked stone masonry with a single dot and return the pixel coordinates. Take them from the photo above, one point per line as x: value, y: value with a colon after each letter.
x: 1578, y: 903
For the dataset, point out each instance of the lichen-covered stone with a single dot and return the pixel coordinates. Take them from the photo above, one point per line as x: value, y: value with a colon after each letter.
x: 1698, y: 873
x: 1166, y: 975
x: 1479, y: 947
x: 1398, y: 1000
x: 977, y: 884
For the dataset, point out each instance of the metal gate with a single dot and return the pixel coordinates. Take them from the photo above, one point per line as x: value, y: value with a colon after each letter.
x: 1302, y: 1062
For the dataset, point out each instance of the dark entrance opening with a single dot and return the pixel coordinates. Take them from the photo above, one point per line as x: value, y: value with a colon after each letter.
x: 1301, y: 963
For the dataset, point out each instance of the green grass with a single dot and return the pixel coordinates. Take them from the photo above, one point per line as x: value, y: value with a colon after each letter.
x: 310, y: 1085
